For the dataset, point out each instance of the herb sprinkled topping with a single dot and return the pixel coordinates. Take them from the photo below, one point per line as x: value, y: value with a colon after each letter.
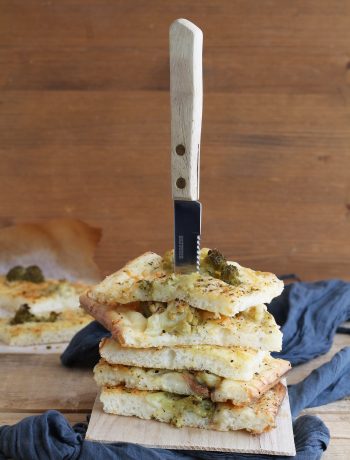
x: 145, y: 286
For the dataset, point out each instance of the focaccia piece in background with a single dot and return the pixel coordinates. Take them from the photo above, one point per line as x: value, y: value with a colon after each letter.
x: 42, y: 298
x: 67, y: 324
x: 193, y: 411
x: 155, y: 324
x: 236, y: 362
x: 147, y: 279
x: 196, y: 383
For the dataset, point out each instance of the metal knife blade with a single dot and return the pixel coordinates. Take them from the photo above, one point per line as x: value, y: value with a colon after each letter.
x: 187, y: 235
x: 186, y: 91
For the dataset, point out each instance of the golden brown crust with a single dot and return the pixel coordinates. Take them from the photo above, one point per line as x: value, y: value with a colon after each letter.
x: 108, y: 316
x: 266, y: 408
x: 269, y: 404
x: 268, y: 380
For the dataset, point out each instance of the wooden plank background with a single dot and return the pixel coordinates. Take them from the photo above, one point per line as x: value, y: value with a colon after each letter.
x: 84, y: 125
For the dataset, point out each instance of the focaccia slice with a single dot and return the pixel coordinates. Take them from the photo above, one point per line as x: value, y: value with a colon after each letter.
x: 42, y: 298
x: 155, y: 324
x: 193, y: 411
x: 236, y: 362
x: 67, y: 324
x: 196, y: 383
x: 148, y: 278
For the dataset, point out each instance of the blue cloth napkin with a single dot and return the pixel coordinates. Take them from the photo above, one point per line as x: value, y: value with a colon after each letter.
x: 83, y: 349
x: 309, y: 314
x: 328, y: 383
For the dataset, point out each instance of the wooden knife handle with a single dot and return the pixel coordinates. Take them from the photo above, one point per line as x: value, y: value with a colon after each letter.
x: 186, y: 93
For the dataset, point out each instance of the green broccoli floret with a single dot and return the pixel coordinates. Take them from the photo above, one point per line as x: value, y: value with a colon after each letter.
x: 216, y: 265
x: 23, y: 315
x: 32, y: 273
x: 216, y: 259
x: 229, y: 274
x: 16, y: 273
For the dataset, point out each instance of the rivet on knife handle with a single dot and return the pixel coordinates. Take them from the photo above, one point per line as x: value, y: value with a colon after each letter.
x: 186, y: 92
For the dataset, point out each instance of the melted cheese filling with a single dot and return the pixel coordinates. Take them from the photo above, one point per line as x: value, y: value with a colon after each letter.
x: 179, y: 318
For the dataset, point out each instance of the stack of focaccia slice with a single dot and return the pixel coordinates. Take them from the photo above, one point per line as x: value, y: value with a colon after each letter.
x: 190, y: 350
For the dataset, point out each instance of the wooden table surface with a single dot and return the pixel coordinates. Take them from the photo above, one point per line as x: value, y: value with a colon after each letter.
x: 84, y: 129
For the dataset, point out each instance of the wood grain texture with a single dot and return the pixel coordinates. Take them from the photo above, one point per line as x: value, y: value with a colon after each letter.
x: 85, y: 126
x: 35, y: 383
x: 186, y: 96
x: 10, y: 418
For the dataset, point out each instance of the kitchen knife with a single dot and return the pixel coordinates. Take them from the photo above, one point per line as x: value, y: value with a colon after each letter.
x: 186, y: 94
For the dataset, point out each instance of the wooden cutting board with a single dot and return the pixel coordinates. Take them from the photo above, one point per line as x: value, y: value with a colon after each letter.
x: 113, y: 428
